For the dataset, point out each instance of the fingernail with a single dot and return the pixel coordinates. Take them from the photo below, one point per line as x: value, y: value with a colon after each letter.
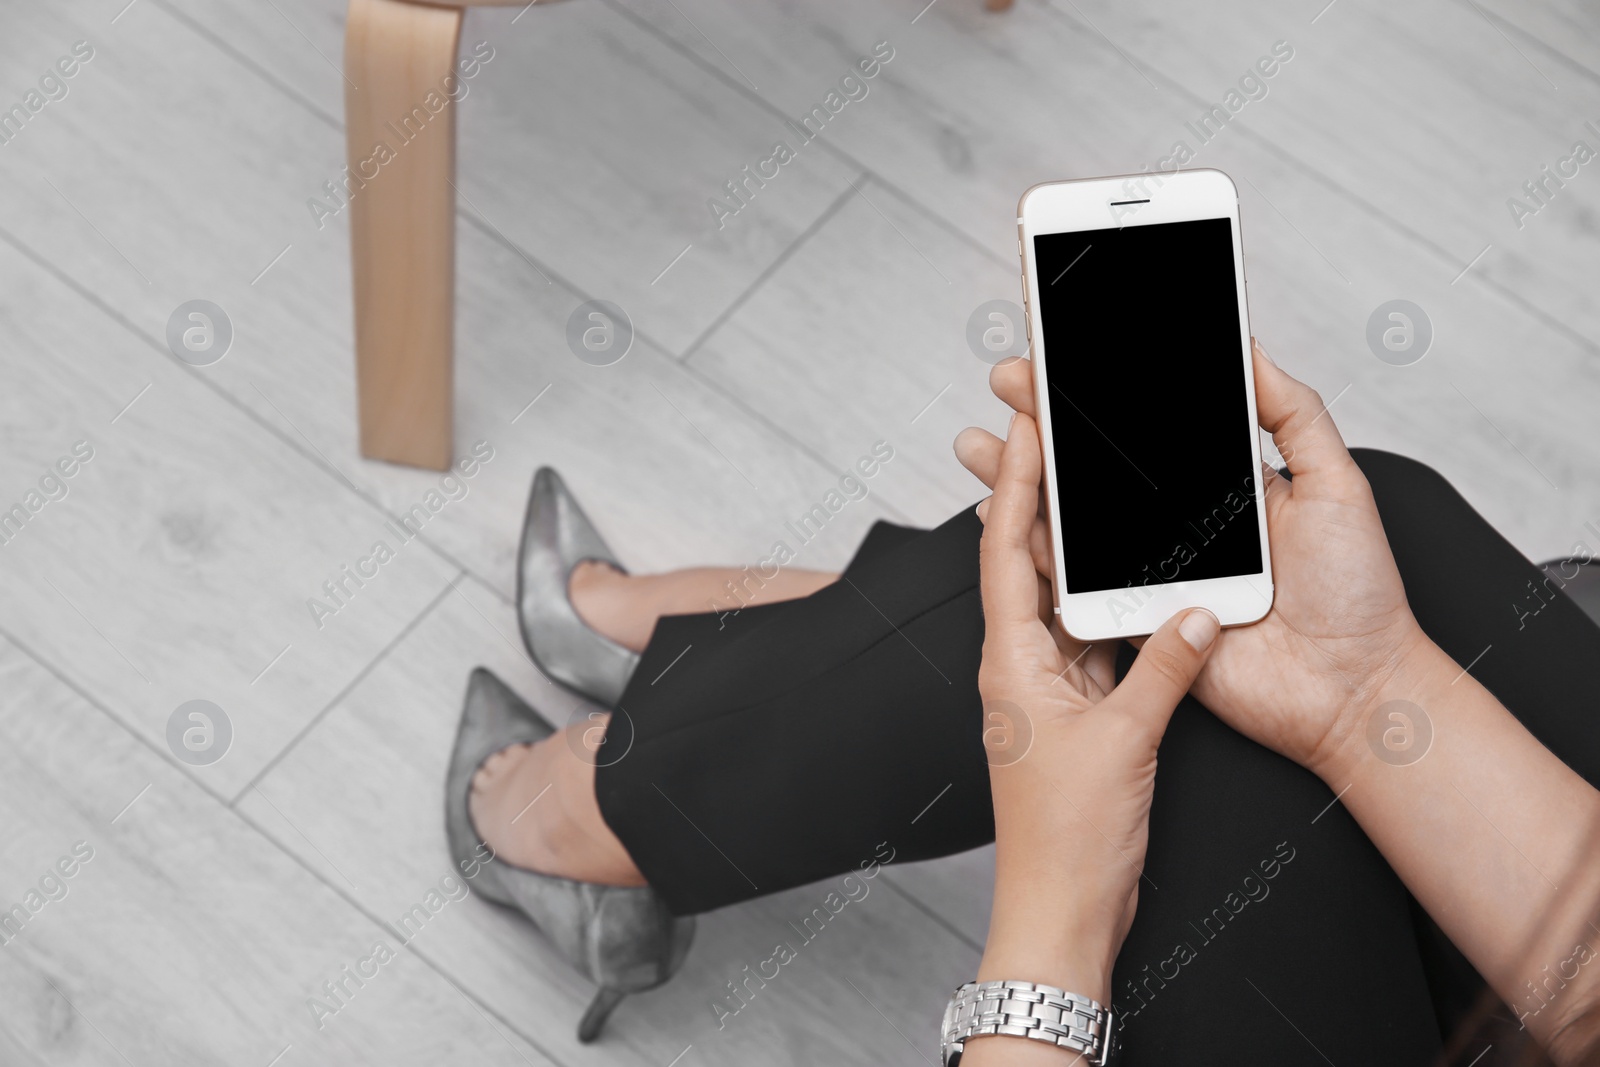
x: 1199, y: 628
x: 1012, y: 423
x: 1260, y: 348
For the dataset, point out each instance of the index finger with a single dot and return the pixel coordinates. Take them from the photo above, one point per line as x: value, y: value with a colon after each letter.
x: 1012, y: 382
x: 1010, y: 592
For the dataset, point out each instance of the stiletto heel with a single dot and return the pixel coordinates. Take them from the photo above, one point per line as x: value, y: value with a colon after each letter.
x: 600, y: 1008
x: 556, y: 537
x: 622, y: 938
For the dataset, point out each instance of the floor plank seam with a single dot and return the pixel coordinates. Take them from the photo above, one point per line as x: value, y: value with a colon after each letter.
x: 839, y: 154
x: 778, y: 431
x: 932, y: 913
x: 199, y: 29
x: 688, y: 369
x: 105, y: 709
x: 373, y: 918
x: 769, y: 270
x: 347, y: 689
x: 823, y: 461
x: 1576, y: 66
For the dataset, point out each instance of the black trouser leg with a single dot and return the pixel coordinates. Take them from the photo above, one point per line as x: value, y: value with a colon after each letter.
x: 789, y: 741
x: 783, y: 744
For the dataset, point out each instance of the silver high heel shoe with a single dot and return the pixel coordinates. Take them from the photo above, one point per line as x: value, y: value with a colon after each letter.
x: 556, y: 537
x: 622, y: 938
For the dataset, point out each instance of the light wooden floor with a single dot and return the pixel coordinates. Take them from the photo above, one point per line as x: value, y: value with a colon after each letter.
x: 827, y: 314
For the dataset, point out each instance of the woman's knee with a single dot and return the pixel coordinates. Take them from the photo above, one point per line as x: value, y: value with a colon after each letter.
x: 1409, y: 489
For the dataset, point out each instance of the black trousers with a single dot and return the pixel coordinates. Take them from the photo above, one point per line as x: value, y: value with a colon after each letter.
x: 782, y: 744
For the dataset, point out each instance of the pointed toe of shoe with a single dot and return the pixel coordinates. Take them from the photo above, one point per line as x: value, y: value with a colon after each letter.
x: 557, y: 536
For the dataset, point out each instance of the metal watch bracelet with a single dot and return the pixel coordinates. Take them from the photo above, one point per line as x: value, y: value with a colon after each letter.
x: 1027, y: 1010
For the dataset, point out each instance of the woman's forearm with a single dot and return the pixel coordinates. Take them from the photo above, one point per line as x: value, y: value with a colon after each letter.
x: 1043, y: 926
x: 1495, y: 836
x: 1037, y: 935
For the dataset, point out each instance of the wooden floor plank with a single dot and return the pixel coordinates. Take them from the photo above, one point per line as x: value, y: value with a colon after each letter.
x: 861, y: 336
x: 179, y: 562
x: 183, y: 936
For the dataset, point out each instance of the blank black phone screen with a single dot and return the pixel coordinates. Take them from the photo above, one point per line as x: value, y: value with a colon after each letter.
x: 1155, y: 478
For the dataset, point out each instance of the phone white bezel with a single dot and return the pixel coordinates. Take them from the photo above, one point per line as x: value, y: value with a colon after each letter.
x: 1091, y: 204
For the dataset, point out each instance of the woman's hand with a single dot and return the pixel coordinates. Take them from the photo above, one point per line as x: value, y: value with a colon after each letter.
x: 1072, y: 760
x: 1301, y: 680
x: 1505, y: 859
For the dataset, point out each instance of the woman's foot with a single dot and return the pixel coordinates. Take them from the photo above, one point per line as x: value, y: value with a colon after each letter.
x: 625, y: 607
x: 534, y: 805
x: 564, y: 871
x: 604, y: 599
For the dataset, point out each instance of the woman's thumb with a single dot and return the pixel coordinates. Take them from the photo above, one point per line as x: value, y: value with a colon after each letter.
x: 1167, y: 666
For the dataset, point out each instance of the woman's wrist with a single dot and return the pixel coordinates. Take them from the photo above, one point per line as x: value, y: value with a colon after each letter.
x: 1044, y: 937
x: 1396, y: 696
x: 1087, y: 978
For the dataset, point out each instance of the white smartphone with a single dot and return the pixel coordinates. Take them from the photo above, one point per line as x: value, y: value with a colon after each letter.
x: 1134, y: 295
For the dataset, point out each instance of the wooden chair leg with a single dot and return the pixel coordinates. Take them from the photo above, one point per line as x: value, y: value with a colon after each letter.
x: 400, y: 140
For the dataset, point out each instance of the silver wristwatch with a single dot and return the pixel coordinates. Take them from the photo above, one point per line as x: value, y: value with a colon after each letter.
x: 1030, y: 1010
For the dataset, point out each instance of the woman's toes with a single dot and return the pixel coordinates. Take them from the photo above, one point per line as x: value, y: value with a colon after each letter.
x: 497, y: 766
x: 589, y: 574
